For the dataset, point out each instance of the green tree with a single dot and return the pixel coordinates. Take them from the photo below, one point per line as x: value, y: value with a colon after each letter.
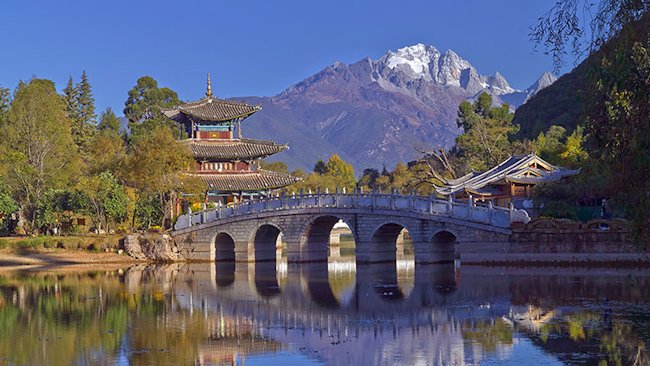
x: 106, y: 197
x: 550, y: 145
x: 486, y: 130
x: 71, y: 97
x: 5, y: 102
x: 320, y: 167
x: 145, y: 103
x: 86, y: 101
x: 108, y: 121
x: 156, y: 167
x: 39, y: 152
x: 7, y: 205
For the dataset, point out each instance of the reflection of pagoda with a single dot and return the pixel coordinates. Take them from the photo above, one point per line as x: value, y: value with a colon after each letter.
x: 228, y: 165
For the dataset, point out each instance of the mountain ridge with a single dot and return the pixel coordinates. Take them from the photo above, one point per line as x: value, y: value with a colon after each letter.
x: 378, y: 112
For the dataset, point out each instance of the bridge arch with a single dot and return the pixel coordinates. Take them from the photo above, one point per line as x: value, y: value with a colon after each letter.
x: 443, y: 247
x: 382, y: 245
x: 315, y: 236
x: 263, y: 242
x: 224, y: 247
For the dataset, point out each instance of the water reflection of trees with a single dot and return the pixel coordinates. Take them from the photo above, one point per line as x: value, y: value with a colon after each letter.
x: 592, y: 337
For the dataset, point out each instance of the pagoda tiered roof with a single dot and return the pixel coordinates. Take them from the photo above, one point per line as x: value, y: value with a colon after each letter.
x: 247, y: 180
x: 236, y: 149
x: 211, y: 109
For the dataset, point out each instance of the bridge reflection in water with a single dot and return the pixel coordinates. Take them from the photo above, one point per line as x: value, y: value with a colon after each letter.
x: 334, y: 313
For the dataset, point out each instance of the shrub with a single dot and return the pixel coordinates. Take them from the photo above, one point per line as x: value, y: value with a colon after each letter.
x: 4, y: 243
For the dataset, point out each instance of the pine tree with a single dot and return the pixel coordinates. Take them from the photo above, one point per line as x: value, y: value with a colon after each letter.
x: 82, y: 112
x: 70, y: 96
x: 108, y: 121
x: 86, y: 101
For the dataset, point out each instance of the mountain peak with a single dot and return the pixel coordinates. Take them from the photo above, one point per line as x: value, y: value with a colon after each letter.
x: 542, y: 82
x: 412, y: 60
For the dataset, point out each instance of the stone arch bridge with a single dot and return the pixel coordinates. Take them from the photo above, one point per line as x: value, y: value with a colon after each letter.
x: 250, y: 230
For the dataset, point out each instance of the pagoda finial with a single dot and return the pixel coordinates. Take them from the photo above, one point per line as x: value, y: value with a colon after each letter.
x: 208, y: 93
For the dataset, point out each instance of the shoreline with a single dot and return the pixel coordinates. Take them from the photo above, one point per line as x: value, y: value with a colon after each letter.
x: 46, y: 259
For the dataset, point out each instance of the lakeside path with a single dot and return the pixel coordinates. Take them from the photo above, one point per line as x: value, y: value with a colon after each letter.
x: 12, y: 259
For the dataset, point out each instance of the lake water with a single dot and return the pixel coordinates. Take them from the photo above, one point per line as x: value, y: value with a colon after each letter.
x: 335, y: 313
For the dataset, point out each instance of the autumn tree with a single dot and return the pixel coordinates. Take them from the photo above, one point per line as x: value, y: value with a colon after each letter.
x: 39, y: 152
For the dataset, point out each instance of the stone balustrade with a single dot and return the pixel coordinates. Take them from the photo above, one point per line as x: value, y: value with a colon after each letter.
x: 371, y: 202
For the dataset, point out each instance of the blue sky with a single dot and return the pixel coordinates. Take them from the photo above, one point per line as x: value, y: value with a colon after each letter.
x: 251, y: 47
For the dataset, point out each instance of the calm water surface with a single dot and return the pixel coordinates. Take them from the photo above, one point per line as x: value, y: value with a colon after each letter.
x: 325, y: 314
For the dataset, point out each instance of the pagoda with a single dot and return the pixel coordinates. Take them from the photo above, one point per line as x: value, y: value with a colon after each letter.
x: 228, y: 165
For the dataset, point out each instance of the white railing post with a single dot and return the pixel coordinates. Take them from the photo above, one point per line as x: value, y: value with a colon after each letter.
x: 430, y: 203
x: 301, y: 200
x: 470, y: 207
x: 318, y: 198
x: 354, y: 197
x: 392, y: 199
x: 336, y: 197
x: 490, y: 209
x: 450, y: 205
x: 189, y: 216
x: 282, y: 201
x: 412, y: 201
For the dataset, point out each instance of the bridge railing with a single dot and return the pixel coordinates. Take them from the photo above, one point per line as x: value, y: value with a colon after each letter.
x: 474, y: 212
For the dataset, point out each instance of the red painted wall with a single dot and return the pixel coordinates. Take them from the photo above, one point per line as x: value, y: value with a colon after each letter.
x: 215, y: 134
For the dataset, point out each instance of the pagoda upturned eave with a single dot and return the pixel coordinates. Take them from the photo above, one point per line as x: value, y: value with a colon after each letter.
x: 248, y: 181
x: 211, y: 109
x: 233, y: 149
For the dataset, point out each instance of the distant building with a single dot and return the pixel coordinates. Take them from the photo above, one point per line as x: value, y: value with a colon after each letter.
x: 229, y: 165
x: 510, y: 181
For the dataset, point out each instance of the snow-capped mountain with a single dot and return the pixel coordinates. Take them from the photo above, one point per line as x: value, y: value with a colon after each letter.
x: 376, y: 112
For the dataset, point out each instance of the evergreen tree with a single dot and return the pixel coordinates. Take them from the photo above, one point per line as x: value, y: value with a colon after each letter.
x: 485, y: 141
x: 144, y: 105
x: 85, y: 101
x: 71, y: 100
x: 108, y: 121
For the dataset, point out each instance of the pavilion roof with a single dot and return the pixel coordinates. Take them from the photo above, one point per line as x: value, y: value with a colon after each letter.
x: 246, y: 181
x: 211, y: 109
x: 236, y: 149
x: 523, y: 169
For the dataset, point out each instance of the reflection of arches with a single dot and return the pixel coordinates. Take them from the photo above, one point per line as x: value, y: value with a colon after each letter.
x: 316, y: 237
x: 266, y: 279
x: 224, y: 247
x: 433, y: 283
x: 444, y: 245
x: 318, y: 286
x: 265, y: 243
x: 225, y: 272
x: 383, y: 279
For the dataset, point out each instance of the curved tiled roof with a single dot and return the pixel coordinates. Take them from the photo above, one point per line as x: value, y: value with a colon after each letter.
x: 525, y: 169
x: 241, y: 149
x: 212, y: 109
x: 247, y: 181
